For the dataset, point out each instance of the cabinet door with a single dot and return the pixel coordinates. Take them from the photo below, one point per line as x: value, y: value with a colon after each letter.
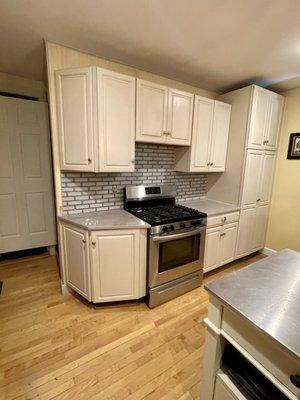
x: 116, y: 119
x: 266, y: 179
x: 274, y: 121
x: 252, y: 175
x: 75, y: 119
x: 76, y: 259
x: 115, y: 260
x: 201, y: 136
x: 180, y: 113
x: 228, y: 243
x: 151, y: 112
x: 259, y: 118
x: 219, y: 138
x: 260, y: 227
x: 212, y: 249
x: 245, y: 232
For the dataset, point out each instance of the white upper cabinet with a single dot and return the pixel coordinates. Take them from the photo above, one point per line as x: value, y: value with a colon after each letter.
x: 219, y: 137
x: 202, y: 131
x: 252, y: 175
x: 180, y: 114
x: 116, y: 115
x: 275, y: 116
x: 265, y: 119
x: 163, y: 115
x: 266, y: 177
x: 75, y: 119
x: 151, y: 112
x: 96, y: 120
x: 209, y: 138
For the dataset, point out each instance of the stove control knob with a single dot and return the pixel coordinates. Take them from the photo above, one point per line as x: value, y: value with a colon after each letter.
x: 171, y: 228
x: 198, y: 222
x: 193, y: 223
x: 164, y: 229
x: 182, y: 225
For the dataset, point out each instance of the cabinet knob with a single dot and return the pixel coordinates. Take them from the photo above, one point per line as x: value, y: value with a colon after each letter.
x: 223, y: 234
x: 83, y: 241
x: 295, y: 379
x: 132, y: 161
x: 208, y: 164
x: 89, y: 160
x: 258, y: 200
x: 94, y: 243
x: 224, y: 219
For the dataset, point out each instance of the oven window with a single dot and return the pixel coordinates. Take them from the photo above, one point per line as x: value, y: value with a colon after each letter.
x: 178, y: 252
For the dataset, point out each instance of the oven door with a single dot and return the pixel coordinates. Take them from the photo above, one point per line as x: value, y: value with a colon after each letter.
x: 174, y: 256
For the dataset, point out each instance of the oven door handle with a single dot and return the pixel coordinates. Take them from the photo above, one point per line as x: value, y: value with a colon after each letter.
x: 167, y: 238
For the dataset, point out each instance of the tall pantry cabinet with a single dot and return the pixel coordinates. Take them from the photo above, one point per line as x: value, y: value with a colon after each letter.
x: 248, y: 180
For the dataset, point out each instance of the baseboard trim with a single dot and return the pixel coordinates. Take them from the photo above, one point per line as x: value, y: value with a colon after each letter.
x: 267, y: 251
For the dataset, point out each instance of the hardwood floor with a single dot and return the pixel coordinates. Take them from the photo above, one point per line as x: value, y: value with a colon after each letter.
x: 61, y: 347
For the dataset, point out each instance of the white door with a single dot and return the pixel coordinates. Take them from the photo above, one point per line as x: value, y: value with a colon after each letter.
x: 245, y: 232
x: 201, y: 136
x: 75, y: 119
x: 26, y: 186
x: 266, y: 177
x: 116, y: 119
x: 75, y: 252
x: 228, y: 243
x: 259, y: 118
x: 274, y: 121
x: 260, y: 226
x: 219, y: 138
x: 251, y: 185
x: 212, y: 249
x: 115, y: 261
x: 180, y: 114
x: 151, y: 112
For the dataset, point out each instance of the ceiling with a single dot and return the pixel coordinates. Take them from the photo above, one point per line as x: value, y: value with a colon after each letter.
x: 213, y: 44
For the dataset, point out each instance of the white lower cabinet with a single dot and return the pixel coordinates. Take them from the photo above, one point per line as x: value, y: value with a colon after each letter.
x: 220, y: 246
x: 119, y: 265
x: 75, y: 249
x: 107, y: 265
x: 252, y: 230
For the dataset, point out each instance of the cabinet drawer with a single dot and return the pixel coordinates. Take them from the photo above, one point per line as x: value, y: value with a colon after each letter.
x: 280, y: 364
x: 222, y: 219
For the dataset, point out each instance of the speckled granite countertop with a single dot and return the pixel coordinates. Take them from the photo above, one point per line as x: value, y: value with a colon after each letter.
x: 267, y: 294
x: 210, y: 207
x: 113, y: 219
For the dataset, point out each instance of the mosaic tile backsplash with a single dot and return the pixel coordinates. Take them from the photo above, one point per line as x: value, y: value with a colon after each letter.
x: 87, y: 191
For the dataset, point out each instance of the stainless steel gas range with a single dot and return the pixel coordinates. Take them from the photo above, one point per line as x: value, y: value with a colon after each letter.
x: 176, y: 241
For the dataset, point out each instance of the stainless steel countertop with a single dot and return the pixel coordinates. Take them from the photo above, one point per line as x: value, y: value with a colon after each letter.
x: 210, y: 207
x: 112, y: 219
x: 267, y: 293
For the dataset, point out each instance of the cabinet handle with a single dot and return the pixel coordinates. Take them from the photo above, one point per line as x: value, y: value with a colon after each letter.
x: 94, y: 243
x: 267, y: 141
x: 258, y: 200
x: 222, y: 234
x: 89, y: 160
x: 208, y: 164
x: 295, y: 379
x: 132, y: 161
x: 83, y: 241
x: 224, y: 219
x: 211, y: 163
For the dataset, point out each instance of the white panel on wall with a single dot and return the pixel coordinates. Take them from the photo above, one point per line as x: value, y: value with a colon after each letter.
x: 88, y: 191
x: 30, y: 145
x: 9, y: 224
x: 5, y: 157
x: 35, y: 203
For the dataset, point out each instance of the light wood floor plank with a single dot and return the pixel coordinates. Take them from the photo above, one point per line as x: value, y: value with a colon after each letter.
x: 55, y: 347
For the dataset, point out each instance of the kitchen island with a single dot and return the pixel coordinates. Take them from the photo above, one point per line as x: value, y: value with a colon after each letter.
x: 255, y: 311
